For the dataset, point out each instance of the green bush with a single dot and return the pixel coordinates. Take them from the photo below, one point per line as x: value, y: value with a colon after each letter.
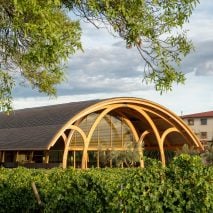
x: 16, y: 194
x: 186, y: 185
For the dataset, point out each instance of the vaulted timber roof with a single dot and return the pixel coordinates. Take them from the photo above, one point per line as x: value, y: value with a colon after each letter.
x: 39, y: 128
x: 33, y: 128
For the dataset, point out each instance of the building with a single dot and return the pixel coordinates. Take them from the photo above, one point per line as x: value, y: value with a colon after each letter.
x: 201, y: 124
x: 82, y: 134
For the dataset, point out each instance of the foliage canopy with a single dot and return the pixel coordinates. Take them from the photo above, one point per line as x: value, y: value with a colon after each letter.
x: 37, y: 37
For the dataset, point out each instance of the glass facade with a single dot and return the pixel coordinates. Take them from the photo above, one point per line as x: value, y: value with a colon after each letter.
x: 112, y: 137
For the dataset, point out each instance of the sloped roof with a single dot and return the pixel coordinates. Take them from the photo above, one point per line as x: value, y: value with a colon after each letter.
x: 40, y: 128
x: 33, y: 128
x: 199, y: 115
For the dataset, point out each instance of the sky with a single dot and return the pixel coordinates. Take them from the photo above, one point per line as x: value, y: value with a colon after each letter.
x: 107, y: 69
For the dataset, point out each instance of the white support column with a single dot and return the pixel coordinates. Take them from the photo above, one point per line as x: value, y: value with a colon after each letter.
x: 47, y: 156
x: 98, y: 163
x: 16, y: 156
x: 74, y: 166
x: 31, y: 156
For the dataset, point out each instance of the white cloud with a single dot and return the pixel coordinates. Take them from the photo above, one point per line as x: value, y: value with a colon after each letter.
x: 201, y: 22
x: 195, y: 96
x: 207, y: 67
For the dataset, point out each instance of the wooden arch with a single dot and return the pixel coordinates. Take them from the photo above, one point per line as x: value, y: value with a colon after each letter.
x: 144, y: 108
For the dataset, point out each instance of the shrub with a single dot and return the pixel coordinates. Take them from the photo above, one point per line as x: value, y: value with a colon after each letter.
x: 186, y: 185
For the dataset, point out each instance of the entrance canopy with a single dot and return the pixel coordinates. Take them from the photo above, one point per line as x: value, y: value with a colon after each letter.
x: 84, y: 130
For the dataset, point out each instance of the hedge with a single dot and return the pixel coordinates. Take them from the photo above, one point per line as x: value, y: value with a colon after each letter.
x: 186, y: 185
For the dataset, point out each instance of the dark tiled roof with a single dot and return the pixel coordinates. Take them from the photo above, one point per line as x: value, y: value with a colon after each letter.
x: 33, y: 128
x: 199, y: 115
x: 27, y: 138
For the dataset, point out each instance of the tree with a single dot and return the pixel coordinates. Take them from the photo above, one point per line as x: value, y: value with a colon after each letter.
x: 37, y: 37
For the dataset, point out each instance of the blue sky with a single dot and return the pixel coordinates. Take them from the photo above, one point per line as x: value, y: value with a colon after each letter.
x: 107, y: 69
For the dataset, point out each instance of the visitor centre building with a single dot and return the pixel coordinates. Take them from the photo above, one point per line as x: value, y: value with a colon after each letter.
x: 92, y: 133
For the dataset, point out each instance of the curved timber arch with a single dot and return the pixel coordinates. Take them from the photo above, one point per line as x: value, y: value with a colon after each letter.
x: 90, y: 134
x: 168, y: 131
x: 99, y: 118
x: 116, y: 106
x: 151, y: 117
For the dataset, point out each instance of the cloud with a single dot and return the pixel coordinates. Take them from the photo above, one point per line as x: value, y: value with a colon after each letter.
x: 102, y: 69
x: 112, y: 69
x: 113, y: 61
x: 116, y: 69
x: 200, y: 61
x: 194, y: 96
x: 201, y: 22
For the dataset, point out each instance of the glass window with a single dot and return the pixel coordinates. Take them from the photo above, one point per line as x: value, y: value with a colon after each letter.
x: 56, y: 156
x: 110, y: 138
x: 203, y: 135
x: 190, y: 121
x: 203, y: 121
